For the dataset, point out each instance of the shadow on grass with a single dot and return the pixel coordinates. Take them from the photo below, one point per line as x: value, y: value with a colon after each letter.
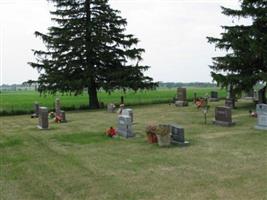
x: 84, y: 138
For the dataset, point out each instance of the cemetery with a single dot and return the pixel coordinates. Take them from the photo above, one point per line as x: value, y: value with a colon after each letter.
x: 77, y: 158
x: 128, y: 102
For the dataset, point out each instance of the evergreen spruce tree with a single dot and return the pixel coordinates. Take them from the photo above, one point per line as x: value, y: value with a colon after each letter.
x: 246, y: 61
x: 88, y: 48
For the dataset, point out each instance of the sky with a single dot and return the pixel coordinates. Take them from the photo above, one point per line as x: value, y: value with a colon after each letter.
x: 173, y: 33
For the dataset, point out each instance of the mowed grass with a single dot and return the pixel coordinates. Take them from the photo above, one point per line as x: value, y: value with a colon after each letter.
x: 75, y: 160
x: 20, y: 102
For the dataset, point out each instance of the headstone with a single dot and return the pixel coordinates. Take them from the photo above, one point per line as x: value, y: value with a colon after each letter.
x: 128, y: 112
x: 261, y: 111
x: 125, y: 126
x: 63, y: 116
x: 43, y: 118
x: 181, y: 97
x: 122, y: 99
x: 177, y: 134
x: 57, y: 106
x: 223, y: 116
x: 111, y: 108
x: 230, y: 103
x: 36, y: 110
x: 213, y: 96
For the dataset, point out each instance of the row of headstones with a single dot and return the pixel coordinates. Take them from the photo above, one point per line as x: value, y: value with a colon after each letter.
x: 42, y: 114
x: 125, y: 127
x: 181, y: 97
x: 223, y: 114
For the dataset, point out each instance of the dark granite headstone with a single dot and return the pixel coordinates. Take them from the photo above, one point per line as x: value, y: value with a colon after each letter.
x: 261, y: 111
x: 43, y: 118
x: 213, y: 96
x: 177, y: 134
x: 223, y: 116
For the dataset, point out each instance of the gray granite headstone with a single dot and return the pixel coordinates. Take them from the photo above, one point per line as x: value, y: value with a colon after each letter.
x: 57, y: 106
x: 181, y: 99
x: 223, y: 116
x: 262, y: 116
x: 125, y: 126
x: 43, y: 118
x: 63, y: 116
x: 128, y: 112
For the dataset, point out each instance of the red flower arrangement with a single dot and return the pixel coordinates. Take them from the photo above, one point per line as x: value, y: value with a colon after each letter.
x: 111, y: 132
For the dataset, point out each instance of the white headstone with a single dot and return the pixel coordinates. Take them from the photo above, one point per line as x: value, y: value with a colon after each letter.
x: 125, y: 126
x: 262, y: 116
x: 128, y: 112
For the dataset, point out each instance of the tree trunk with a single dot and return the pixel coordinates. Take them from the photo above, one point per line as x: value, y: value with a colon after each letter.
x: 262, y: 95
x: 92, y: 89
x: 92, y: 92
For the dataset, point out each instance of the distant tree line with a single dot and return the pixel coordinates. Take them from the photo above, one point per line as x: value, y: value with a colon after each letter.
x: 18, y: 87
x: 180, y: 84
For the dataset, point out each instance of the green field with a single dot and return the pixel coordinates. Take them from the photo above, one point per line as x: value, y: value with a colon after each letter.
x: 21, y: 102
x: 75, y: 160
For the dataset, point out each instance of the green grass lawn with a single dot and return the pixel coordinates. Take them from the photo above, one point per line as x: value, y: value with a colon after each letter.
x: 20, y: 102
x: 75, y: 160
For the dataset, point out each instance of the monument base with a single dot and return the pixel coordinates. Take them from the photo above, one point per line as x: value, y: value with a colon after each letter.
x: 126, y: 134
x: 260, y: 127
x: 34, y: 115
x: 41, y: 128
x: 185, y: 143
x: 222, y: 123
x: 181, y: 103
x: 213, y: 99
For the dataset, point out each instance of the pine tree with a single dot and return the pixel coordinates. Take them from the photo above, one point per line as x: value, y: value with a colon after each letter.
x: 88, y: 48
x: 246, y: 61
